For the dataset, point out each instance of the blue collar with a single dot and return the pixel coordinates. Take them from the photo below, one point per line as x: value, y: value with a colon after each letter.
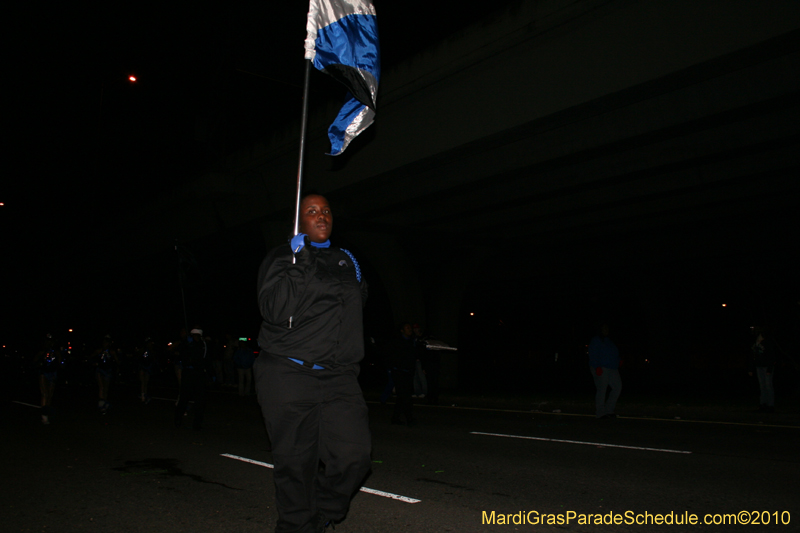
x: 325, y: 244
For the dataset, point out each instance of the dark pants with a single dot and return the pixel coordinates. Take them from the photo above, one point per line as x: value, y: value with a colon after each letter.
x: 313, y: 417
x: 404, y: 386
x: 193, y: 388
x: 433, y: 386
x: 387, y: 390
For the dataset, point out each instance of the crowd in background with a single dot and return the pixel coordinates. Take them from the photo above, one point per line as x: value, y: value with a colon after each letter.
x: 105, y: 363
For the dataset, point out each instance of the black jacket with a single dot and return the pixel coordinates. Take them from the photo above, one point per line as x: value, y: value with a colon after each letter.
x: 764, y: 355
x: 323, y: 299
x: 402, y: 354
x: 195, y: 356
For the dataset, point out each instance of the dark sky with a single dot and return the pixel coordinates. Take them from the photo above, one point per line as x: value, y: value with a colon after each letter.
x: 87, y: 144
x: 212, y: 77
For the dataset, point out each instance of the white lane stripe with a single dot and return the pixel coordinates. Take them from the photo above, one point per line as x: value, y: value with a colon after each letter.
x: 389, y: 495
x: 580, y: 442
x: 363, y: 489
x: 28, y: 404
x: 246, y: 460
x: 760, y: 424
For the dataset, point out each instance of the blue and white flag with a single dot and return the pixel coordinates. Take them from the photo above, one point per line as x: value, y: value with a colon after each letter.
x: 343, y: 42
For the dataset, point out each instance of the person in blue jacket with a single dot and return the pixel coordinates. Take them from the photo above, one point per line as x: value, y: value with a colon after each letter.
x: 47, y: 361
x: 311, y: 295
x: 604, y: 365
x: 765, y: 362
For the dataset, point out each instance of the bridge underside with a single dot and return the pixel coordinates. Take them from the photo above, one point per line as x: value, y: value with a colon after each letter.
x: 528, y: 154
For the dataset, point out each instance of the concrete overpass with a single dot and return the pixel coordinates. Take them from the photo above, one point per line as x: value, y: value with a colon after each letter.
x: 632, y: 130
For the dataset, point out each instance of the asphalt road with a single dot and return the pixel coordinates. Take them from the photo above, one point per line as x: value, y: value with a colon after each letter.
x: 130, y: 470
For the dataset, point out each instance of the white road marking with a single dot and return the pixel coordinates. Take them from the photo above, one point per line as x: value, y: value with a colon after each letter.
x: 246, y: 460
x: 759, y: 424
x: 580, y: 442
x: 28, y: 404
x: 389, y: 495
x: 363, y: 489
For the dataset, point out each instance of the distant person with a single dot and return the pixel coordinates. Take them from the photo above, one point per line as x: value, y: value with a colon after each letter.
x: 432, y: 362
x: 214, y: 366
x: 420, y: 378
x: 48, y: 360
x: 311, y: 294
x: 228, y: 366
x: 193, y: 382
x: 243, y: 359
x: 765, y: 360
x: 106, y: 365
x: 604, y: 365
x: 177, y: 348
x: 388, y: 388
x: 402, y: 356
x: 146, y: 359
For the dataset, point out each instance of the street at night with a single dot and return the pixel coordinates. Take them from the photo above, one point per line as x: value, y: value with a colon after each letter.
x: 545, y: 250
x: 130, y: 470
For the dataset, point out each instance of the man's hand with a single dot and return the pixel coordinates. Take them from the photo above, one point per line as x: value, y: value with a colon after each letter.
x: 298, y: 241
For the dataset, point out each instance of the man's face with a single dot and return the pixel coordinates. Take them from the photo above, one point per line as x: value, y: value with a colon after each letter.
x: 407, y: 330
x: 316, y: 219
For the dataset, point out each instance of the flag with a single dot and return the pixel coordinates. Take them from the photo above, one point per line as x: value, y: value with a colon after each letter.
x: 343, y: 41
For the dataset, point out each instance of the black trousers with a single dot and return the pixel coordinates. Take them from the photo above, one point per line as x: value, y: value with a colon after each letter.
x: 193, y: 388
x: 404, y: 387
x: 433, y: 385
x: 318, y: 425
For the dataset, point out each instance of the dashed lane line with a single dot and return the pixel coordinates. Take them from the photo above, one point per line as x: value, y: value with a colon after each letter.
x: 363, y: 489
x: 603, y: 445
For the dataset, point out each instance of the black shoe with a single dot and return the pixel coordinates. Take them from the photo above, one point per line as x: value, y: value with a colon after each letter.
x: 323, y: 523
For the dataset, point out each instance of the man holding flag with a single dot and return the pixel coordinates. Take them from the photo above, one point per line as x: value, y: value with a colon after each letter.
x: 310, y: 295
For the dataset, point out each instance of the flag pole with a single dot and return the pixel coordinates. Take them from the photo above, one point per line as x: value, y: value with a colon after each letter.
x: 304, y: 120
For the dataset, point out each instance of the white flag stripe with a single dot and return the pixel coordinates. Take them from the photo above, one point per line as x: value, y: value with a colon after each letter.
x: 325, y: 13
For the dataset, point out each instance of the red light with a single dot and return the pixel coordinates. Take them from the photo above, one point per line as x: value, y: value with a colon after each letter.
x: 724, y: 305
x: 132, y: 78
